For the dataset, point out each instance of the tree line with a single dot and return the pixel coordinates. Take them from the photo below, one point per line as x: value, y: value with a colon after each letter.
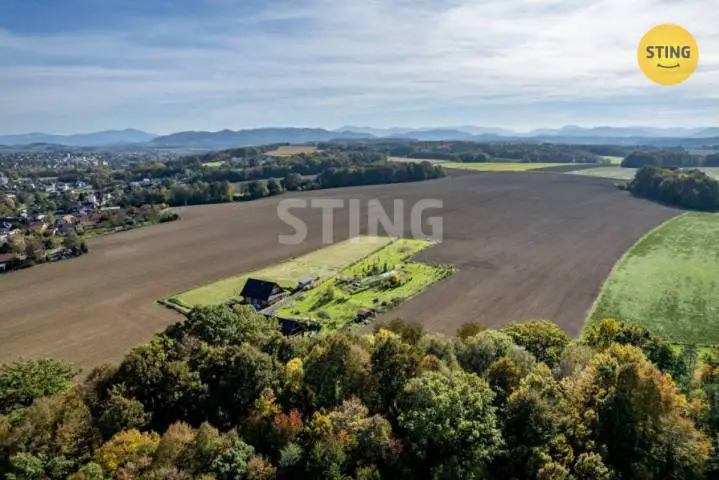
x: 202, y: 192
x: 304, y: 164
x: 692, y: 189
x: 662, y: 158
x: 223, y: 395
x: 472, y: 152
x: 712, y: 160
x: 176, y: 193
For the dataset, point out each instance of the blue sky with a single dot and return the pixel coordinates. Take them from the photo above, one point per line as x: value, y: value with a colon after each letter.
x: 162, y: 66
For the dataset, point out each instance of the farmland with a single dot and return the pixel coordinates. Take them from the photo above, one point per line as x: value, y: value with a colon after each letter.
x: 613, y: 160
x: 213, y: 164
x: 669, y: 282
x: 322, y: 263
x: 414, y: 160
x: 337, y: 301
x: 525, y: 246
x: 290, y: 150
x: 500, y: 166
x: 621, y: 173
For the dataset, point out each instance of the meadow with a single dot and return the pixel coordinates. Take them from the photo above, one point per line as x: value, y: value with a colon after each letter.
x: 669, y: 282
x: 213, y: 164
x: 335, y: 303
x: 500, y: 166
x: 613, y: 160
x: 290, y: 150
x: 620, y: 173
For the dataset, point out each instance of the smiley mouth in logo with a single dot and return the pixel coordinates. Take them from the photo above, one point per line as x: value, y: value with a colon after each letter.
x: 668, y: 66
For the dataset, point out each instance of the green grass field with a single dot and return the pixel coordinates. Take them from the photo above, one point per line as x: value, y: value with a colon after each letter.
x: 669, y: 282
x: 213, y: 164
x: 613, y: 160
x: 333, y: 306
x: 415, y: 160
x: 322, y: 263
x: 620, y: 173
x: 500, y: 166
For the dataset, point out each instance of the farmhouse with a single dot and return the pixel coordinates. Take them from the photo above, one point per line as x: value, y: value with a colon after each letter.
x: 261, y: 293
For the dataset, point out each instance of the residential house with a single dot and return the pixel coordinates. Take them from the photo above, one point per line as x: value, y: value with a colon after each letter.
x: 91, y: 201
x: 89, y: 221
x: 66, y: 220
x: 261, y: 293
x: 36, y: 227
x: 6, y: 260
x: 65, y: 224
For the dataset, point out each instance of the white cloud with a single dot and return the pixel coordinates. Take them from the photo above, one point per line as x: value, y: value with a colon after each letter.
x: 329, y: 62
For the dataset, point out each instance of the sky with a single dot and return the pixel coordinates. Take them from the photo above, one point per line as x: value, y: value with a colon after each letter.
x: 164, y: 66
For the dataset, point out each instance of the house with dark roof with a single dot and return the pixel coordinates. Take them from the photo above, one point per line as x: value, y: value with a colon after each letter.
x: 6, y: 260
x: 261, y: 292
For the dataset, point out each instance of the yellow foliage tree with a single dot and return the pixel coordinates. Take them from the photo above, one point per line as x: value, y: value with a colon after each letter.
x: 125, y: 447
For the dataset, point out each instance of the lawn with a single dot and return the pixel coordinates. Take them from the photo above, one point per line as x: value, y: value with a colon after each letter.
x: 620, y: 173
x: 336, y: 302
x: 500, y: 166
x: 322, y: 263
x: 213, y: 164
x: 669, y: 282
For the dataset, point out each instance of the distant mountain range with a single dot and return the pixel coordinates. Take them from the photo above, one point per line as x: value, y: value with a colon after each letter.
x: 639, y: 135
x: 259, y: 136
x: 97, y: 139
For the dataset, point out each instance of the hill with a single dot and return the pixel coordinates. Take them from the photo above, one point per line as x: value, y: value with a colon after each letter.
x: 260, y: 136
x: 95, y: 139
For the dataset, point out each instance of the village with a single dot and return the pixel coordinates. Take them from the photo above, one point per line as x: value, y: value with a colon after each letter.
x: 49, y: 221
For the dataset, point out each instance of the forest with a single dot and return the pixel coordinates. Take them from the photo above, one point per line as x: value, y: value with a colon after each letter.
x: 223, y: 395
x: 662, y: 158
x: 471, y: 152
x: 219, y: 191
x: 692, y: 189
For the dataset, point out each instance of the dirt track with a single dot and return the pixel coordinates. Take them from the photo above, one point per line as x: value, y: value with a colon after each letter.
x: 527, y: 246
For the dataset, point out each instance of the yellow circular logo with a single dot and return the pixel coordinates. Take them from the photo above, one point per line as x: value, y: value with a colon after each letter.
x: 668, y: 54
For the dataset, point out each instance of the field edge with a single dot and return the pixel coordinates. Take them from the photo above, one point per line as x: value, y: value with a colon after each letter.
x: 588, y: 320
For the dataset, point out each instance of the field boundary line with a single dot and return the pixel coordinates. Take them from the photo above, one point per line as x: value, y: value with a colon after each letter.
x: 588, y: 318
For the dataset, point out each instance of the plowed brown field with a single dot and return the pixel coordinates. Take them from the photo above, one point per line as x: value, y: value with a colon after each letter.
x: 527, y: 245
